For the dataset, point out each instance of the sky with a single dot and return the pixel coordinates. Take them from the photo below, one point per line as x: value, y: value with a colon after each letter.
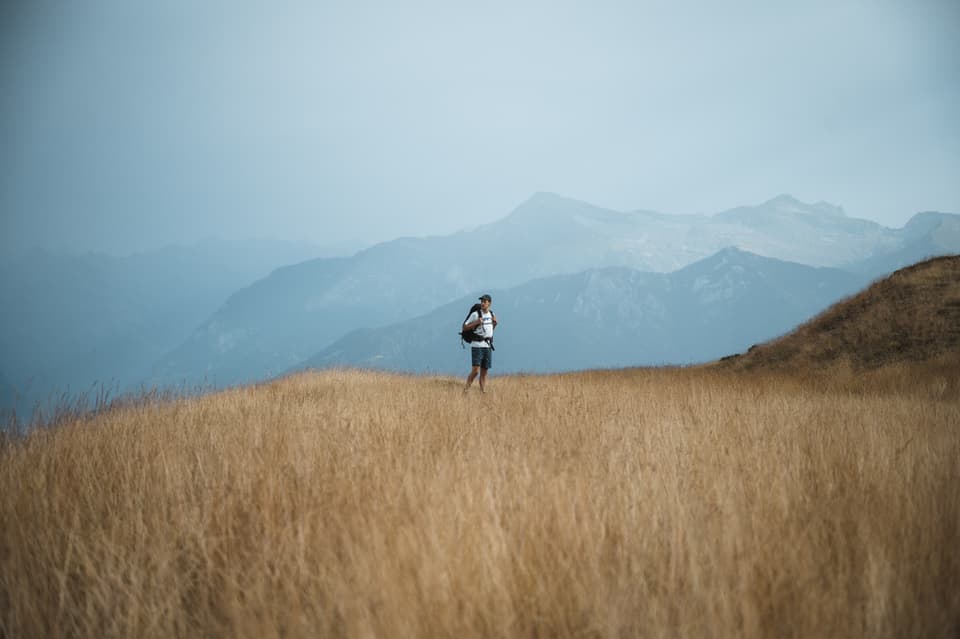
x: 127, y: 125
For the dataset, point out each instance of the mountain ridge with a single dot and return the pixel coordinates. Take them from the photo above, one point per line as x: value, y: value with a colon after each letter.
x: 544, y: 236
x: 612, y: 316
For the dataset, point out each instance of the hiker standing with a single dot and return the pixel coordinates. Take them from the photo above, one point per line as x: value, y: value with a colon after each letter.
x: 481, y: 322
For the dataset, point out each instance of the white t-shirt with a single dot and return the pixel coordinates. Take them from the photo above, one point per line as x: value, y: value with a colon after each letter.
x: 484, y: 330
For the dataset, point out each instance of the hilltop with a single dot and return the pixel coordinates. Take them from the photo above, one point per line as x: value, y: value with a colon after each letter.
x: 912, y: 316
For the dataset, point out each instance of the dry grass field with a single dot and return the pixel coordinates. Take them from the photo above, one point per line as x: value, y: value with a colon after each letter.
x: 911, y: 316
x: 648, y: 502
x: 809, y: 488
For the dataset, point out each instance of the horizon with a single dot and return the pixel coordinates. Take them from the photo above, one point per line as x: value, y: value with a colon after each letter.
x: 130, y: 127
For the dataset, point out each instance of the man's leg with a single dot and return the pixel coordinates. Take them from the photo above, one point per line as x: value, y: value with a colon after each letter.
x: 473, y: 375
x: 475, y: 360
x: 486, y: 361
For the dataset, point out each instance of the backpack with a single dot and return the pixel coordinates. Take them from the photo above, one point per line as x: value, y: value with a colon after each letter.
x: 467, y: 334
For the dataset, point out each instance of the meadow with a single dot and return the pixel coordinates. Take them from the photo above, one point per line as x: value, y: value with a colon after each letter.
x: 666, y: 502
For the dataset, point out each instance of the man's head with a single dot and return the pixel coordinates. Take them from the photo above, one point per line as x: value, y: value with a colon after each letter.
x: 485, y: 301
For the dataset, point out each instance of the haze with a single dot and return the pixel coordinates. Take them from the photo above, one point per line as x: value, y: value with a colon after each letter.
x: 131, y: 125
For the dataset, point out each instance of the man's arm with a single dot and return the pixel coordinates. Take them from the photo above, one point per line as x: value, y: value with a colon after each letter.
x: 472, y: 325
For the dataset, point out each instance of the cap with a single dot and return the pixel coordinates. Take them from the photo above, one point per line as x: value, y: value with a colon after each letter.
x: 486, y: 297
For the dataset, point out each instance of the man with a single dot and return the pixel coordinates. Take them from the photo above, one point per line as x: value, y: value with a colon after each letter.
x: 482, y: 323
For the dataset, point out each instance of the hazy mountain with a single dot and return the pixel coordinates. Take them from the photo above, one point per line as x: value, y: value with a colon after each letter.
x: 926, y: 235
x: 72, y: 321
x: 299, y: 310
x: 580, y: 236
x: 613, y: 316
x: 816, y: 234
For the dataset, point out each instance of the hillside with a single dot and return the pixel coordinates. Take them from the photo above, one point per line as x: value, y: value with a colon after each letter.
x: 910, y: 316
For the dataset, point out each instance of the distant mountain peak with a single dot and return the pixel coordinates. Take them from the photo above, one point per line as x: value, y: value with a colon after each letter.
x: 732, y: 251
x: 547, y: 200
x: 782, y: 207
x: 726, y: 255
x: 942, y: 229
x: 726, y: 258
x: 930, y: 218
x: 544, y: 206
x: 784, y: 199
x: 787, y: 203
x: 546, y: 197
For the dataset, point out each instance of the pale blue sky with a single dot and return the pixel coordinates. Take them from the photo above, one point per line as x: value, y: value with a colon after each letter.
x: 130, y: 124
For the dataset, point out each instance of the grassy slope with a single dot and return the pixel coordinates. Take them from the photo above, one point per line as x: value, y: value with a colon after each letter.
x: 911, y: 316
x: 620, y: 503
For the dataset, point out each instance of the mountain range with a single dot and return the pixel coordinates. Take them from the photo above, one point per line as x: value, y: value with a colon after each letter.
x: 299, y: 310
x: 628, y: 285
x: 612, y: 317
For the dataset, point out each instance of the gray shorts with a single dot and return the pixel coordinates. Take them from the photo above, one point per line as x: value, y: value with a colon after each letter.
x: 482, y: 357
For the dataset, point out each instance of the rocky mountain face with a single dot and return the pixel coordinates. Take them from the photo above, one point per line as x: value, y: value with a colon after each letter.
x: 611, y: 317
x: 301, y: 309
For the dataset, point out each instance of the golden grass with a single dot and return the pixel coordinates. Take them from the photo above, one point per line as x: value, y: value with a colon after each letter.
x: 911, y: 316
x: 654, y: 503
